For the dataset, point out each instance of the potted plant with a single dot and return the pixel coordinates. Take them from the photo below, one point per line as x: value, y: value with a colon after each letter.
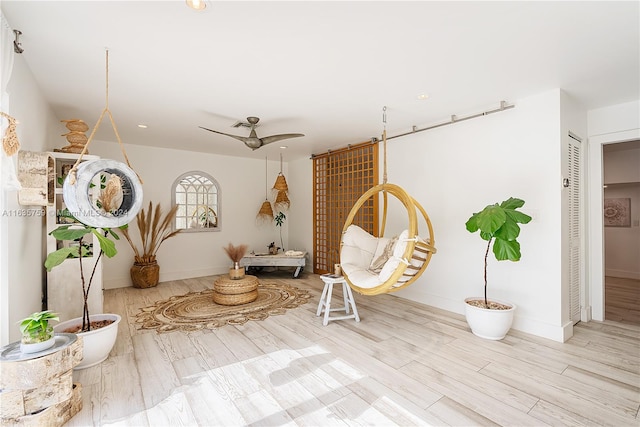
x: 498, y: 224
x: 37, y: 334
x: 99, y: 331
x: 279, y: 219
x: 154, y: 229
x: 236, y: 253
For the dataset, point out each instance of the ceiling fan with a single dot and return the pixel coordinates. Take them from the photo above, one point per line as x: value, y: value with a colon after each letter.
x: 252, y: 141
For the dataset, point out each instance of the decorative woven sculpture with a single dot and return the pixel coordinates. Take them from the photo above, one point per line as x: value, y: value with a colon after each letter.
x: 76, y: 136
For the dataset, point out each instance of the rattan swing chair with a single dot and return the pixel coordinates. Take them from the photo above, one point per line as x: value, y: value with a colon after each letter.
x: 411, y: 253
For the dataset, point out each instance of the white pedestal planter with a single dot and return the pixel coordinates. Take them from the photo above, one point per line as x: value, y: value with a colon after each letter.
x: 97, y: 342
x: 489, y: 324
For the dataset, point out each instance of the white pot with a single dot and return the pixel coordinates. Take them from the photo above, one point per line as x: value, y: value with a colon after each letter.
x: 97, y: 343
x: 486, y: 323
x: 37, y: 347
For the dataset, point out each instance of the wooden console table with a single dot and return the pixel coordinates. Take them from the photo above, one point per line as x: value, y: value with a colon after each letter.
x: 257, y: 261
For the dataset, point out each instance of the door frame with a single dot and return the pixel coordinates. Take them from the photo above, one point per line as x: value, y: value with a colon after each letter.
x: 595, y: 307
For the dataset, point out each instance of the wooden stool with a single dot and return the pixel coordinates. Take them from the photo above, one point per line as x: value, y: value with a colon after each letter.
x: 235, y: 292
x: 325, y: 300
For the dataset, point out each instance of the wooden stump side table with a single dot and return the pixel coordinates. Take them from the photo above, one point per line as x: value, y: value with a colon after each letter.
x: 227, y: 291
x: 38, y: 389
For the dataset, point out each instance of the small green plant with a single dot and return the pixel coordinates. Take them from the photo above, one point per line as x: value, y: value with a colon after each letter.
x: 279, y: 219
x: 498, y: 223
x: 35, y: 328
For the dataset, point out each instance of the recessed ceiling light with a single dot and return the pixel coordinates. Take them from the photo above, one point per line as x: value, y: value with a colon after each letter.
x: 284, y: 147
x: 141, y: 126
x: 196, y: 4
x: 423, y: 96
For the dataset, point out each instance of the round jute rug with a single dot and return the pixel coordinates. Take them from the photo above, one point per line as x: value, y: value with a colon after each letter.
x: 196, y: 310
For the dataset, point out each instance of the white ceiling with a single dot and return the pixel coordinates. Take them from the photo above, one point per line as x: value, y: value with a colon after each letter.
x: 325, y: 69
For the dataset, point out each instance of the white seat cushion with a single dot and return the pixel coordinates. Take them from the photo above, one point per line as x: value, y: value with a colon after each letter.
x: 358, y: 249
x: 393, y: 262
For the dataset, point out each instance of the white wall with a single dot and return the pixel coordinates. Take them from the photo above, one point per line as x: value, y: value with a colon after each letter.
x: 242, y: 191
x: 607, y: 125
x: 454, y: 171
x: 36, y: 131
x: 301, y: 212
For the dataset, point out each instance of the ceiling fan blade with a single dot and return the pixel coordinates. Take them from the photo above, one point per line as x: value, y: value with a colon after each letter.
x: 239, y: 138
x: 273, y: 138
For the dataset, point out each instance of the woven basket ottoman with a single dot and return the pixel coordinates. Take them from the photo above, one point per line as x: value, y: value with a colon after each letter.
x: 227, y: 291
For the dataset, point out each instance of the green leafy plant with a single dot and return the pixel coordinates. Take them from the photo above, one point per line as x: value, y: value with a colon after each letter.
x: 35, y: 328
x: 498, y: 224
x: 78, y: 232
x: 279, y: 219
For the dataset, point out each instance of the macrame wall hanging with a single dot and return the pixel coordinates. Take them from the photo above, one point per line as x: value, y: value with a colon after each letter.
x: 10, y: 143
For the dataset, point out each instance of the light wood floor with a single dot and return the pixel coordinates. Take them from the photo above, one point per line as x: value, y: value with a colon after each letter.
x: 622, y: 300
x: 403, y: 364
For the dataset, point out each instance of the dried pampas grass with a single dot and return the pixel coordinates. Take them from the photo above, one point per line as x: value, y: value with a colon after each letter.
x: 154, y: 229
x: 111, y: 196
x: 235, y: 253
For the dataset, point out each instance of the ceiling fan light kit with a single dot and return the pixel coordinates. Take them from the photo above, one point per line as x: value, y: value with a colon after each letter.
x: 252, y: 141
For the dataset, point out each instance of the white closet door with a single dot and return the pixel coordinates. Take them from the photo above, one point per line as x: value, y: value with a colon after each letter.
x: 574, y: 161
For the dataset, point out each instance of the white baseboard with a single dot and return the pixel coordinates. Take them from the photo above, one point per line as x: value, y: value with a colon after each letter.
x: 125, y: 282
x: 531, y: 326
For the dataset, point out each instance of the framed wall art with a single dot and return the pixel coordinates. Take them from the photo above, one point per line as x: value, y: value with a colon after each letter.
x: 617, y: 212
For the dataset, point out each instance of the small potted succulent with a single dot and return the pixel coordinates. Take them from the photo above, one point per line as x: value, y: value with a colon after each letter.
x: 498, y: 224
x: 37, y: 334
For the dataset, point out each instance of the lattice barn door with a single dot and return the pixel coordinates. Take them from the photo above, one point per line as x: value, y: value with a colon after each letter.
x: 339, y: 179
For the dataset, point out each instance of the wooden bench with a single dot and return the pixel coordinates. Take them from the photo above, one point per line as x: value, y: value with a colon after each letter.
x: 258, y: 261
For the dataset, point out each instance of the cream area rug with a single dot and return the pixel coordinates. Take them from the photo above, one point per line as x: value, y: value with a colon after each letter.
x: 196, y: 310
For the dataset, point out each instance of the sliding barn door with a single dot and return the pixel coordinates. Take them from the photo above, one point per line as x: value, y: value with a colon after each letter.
x: 339, y: 178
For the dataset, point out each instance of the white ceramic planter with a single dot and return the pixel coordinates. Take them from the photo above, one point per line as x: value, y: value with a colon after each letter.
x: 37, y: 347
x: 489, y: 324
x: 97, y: 343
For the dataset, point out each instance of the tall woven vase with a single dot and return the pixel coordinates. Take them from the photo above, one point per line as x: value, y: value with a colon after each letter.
x: 145, y: 274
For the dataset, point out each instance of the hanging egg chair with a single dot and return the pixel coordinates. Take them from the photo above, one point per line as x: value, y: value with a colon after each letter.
x: 374, y: 265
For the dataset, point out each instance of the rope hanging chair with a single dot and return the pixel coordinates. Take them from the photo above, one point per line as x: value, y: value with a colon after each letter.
x: 375, y: 265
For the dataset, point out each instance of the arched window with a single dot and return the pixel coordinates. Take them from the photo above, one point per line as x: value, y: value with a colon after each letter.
x: 197, y: 195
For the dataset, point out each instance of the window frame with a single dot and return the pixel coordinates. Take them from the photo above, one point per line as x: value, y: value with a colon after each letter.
x: 218, y: 204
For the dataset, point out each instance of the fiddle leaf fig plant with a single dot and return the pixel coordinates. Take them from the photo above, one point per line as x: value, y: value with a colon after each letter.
x: 498, y: 224
x: 77, y: 232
